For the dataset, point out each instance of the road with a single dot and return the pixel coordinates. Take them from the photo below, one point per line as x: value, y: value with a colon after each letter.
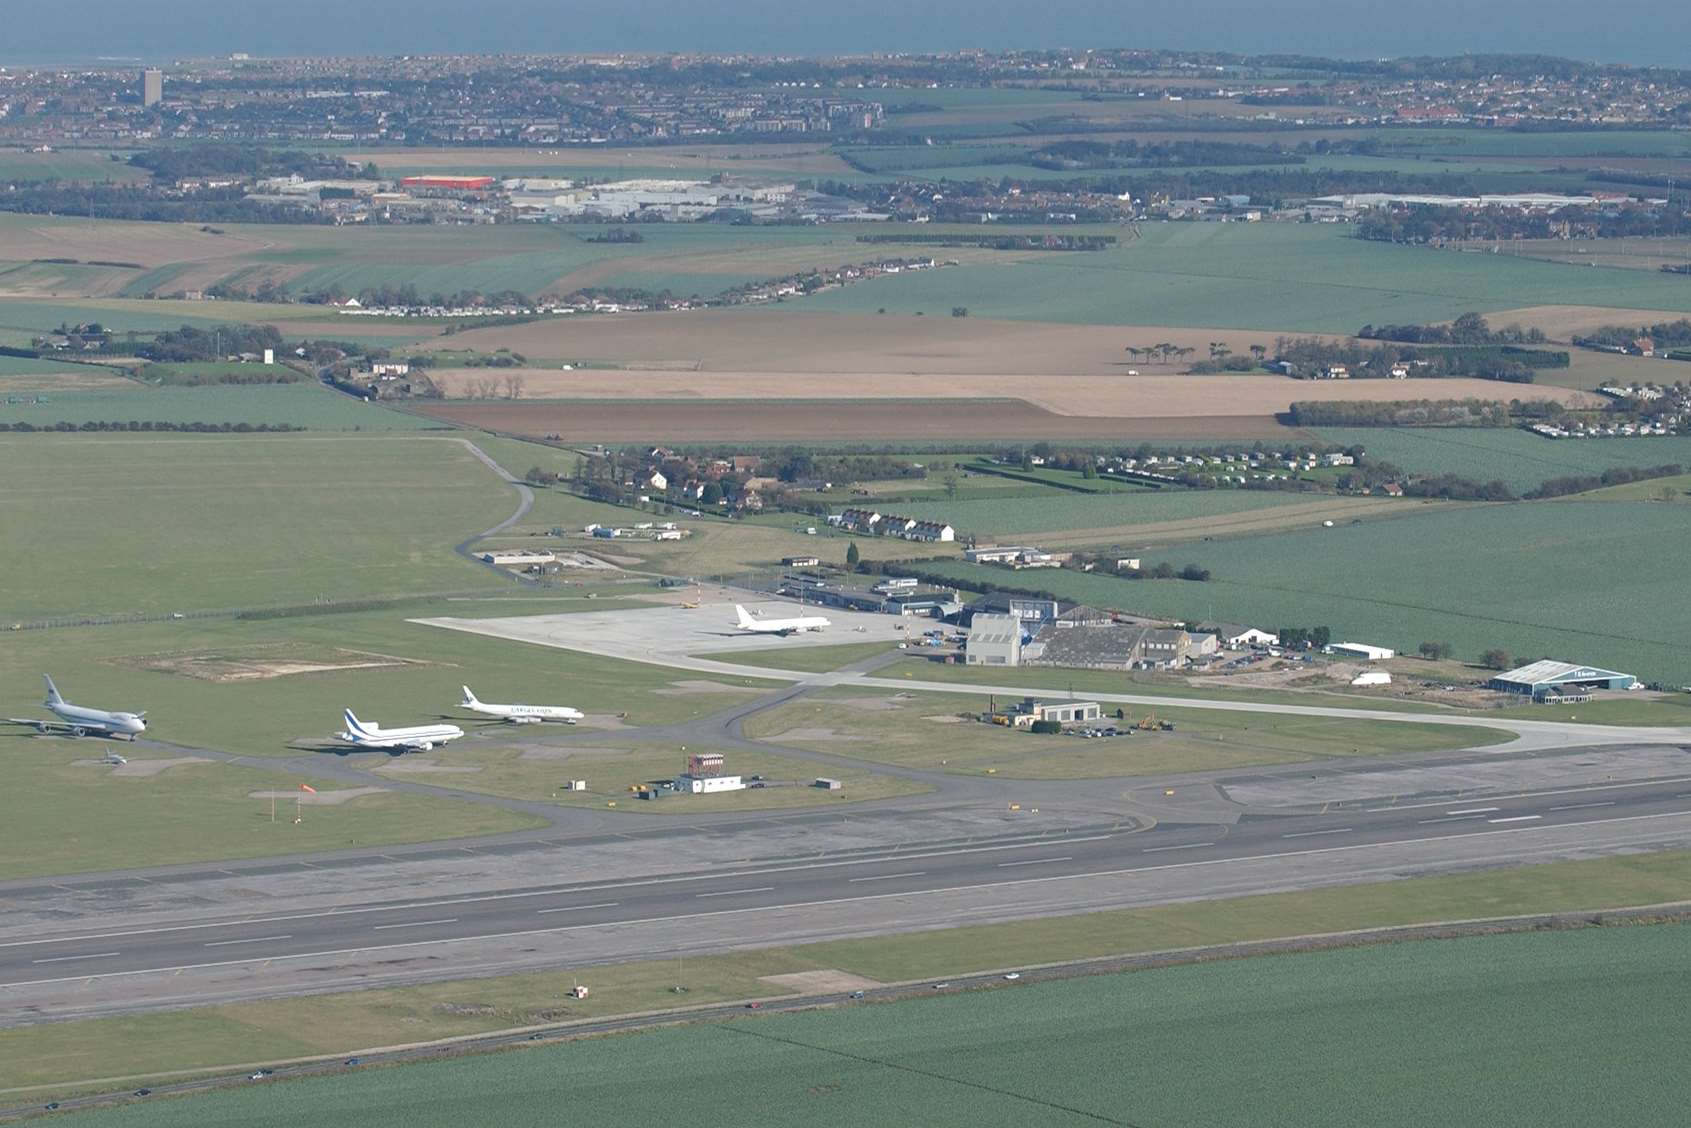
x: 908, y: 877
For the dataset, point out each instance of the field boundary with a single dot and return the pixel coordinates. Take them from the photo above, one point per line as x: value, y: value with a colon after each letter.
x: 225, y: 1076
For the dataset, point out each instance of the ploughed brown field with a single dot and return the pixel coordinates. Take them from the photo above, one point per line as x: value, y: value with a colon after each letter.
x: 1120, y: 396
x: 743, y: 340
x: 584, y: 421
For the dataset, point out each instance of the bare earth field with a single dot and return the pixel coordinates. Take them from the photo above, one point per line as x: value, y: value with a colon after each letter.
x: 1561, y: 322
x: 833, y: 421
x: 1119, y: 395
x: 149, y: 244
x: 781, y: 341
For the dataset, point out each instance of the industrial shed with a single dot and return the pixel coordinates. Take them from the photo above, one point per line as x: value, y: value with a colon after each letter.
x: 1551, y: 680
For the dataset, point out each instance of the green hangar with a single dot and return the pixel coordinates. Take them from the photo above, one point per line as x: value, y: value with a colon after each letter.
x: 1558, y: 681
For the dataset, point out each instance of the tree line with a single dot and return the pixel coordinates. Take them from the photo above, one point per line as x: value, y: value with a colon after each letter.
x: 1468, y: 329
x: 1420, y: 413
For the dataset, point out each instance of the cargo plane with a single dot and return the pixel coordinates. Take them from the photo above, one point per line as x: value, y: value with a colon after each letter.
x: 778, y: 626
x: 417, y: 738
x: 80, y: 720
x: 521, y: 714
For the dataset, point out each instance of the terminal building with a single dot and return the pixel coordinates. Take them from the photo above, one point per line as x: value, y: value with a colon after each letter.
x: 1550, y: 680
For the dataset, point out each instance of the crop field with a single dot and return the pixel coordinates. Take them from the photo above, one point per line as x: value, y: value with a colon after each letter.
x: 602, y: 161
x: 68, y: 164
x: 1363, y: 1035
x: 167, y: 809
x: 1517, y: 458
x: 929, y: 730
x: 1589, y: 582
x: 101, y: 524
x: 1269, y: 277
x: 88, y: 395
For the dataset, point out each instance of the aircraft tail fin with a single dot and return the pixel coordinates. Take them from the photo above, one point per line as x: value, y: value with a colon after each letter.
x: 745, y: 619
x: 53, y: 697
x: 354, y: 725
x: 469, y: 698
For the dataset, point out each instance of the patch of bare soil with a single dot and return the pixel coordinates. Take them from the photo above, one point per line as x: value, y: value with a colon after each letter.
x: 144, y: 769
x: 822, y: 981
x: 813, y: 734
x: 264, y: 663
x: 683, y: 688
x: 320, y: 798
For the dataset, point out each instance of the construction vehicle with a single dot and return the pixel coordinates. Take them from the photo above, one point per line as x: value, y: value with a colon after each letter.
x: 1149, y: 723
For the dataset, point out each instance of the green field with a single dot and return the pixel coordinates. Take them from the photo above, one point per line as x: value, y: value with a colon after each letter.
x: 23, y: 366
x: 1503, y: 1030
x: 88, y: 816
x: 1519, y: 459
x: 100, y: 524
x: 1270, y: 277
x: 1591, y: 582
x: 306, y: 404
x: 390, y: 670
x: 928, y: 730
x: 67, y: 164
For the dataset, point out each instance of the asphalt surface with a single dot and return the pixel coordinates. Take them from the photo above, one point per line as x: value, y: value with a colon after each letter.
x: 512, y: 914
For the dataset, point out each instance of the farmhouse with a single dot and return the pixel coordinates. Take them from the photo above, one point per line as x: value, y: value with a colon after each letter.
x: 1550, y: 680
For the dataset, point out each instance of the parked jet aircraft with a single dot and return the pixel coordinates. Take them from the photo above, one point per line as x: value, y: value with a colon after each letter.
x: 417, y: 738
x: 522, y: 714
x: 778, y: 626
x: 80, y: 720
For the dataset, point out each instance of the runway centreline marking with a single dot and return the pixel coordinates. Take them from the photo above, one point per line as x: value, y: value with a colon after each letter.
x: 1313, y: 833
x: 67, y: 959
x: 1474, y: 811
x: 579, y: 908
x: 1516, y: 818
x: 1187, y: 846
x: 1448, y: 818
x: 415, y: 923
x: 1583, y: 806
x: 1035, y: 862
x: 888, y: 876
x: 1090, y: 875
x: 737, y: 892
x: 557, y: 891
x: 253, y: 940
x: 1550, y: 792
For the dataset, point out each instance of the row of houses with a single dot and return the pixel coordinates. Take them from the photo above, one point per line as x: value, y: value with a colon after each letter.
x: 874, y: 523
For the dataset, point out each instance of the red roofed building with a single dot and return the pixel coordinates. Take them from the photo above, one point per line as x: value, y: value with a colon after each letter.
x: 453, y: 183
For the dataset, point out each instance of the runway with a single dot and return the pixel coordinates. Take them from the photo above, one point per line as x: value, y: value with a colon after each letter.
x: 697, y: 911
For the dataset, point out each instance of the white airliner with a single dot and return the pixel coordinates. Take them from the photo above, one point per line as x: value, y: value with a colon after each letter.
x: 417, y: 738
x: 522, y: 714
x: 79, y: 720
x: 778, y: 626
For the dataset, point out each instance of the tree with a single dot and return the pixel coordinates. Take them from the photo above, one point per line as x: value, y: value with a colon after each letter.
x: 1496, y: 659
x: 951, y: 486
x: 1435, y: 650
x: 1088, y: 469
x: 1319, y: 637
x: 852, y: 555
x: 712, y: 494
x: 959, y: 311
x: 1194, y: 573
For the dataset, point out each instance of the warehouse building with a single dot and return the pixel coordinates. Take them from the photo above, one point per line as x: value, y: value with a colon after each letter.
x: 1549, y: 680
x: 995, y: 640
x: 1361, y: 650
x: 1030, y: 709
